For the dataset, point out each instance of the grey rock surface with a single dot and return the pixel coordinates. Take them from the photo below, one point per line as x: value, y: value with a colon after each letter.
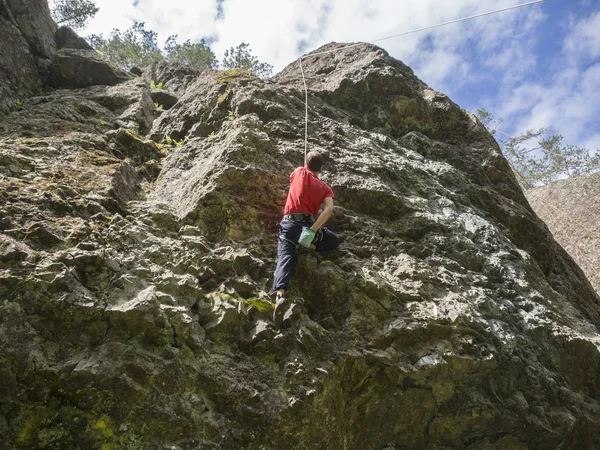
x: 174, y: 77
x: 35, y: 24
x: 30, y: 62
x: 134, y: 273
x: 76, y: 68
x: 164, y: 98
x: 23, y: 50
x: 67, y: 38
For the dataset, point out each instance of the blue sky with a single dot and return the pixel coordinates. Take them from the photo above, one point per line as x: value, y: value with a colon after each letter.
x: 534, y: 67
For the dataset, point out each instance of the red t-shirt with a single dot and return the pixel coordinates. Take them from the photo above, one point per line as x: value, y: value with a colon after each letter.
x: 307, y: 193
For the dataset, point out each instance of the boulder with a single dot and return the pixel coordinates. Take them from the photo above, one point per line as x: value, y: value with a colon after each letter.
x: 67, y: 38
x: 75, y: 68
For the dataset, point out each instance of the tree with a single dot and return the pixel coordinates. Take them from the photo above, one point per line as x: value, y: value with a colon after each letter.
x: 241, y: 57
x: 549, y: 161
x: 73, y: 13
x: 196, y: 55
x: 135, y: 46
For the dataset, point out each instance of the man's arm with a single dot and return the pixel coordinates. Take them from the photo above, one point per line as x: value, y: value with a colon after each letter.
x: 325, y: 215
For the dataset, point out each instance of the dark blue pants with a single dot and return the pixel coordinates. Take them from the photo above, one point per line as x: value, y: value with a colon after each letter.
x: 289, y: 233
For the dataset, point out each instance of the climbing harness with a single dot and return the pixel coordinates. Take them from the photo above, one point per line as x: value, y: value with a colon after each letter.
x: 391, y: 37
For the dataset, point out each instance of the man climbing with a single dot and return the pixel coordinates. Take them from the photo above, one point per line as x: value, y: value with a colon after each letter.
x: 306, y: 195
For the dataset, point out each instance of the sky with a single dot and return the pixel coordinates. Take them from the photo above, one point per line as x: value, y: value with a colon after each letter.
x: 534, y: 67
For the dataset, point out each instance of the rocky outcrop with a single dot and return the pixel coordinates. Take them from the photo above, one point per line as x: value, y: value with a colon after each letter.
x: 67, y: 38
x: 23, y: 50
x: 175, y: 78
x: 74, y: 68
x: 164, y: 98
x: 571, y: 209
x: 32, y: 17
x: 30, y: 62
x: 134, y: 273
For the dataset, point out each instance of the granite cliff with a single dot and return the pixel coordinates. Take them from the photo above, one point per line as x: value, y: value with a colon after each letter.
x: 137, y: 248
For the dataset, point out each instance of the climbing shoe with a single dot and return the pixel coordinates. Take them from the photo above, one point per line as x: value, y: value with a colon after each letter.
x: 279, y: 311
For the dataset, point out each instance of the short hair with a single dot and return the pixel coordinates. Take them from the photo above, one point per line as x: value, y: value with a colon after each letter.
x: 314, y: 161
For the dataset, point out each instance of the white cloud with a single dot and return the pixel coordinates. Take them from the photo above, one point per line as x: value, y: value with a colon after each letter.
x: 112, y: 14
x: 568, y: 98
x: 583, y: 42
x: 188, y: 19
x: 275, y: 28
x: 499, y: 49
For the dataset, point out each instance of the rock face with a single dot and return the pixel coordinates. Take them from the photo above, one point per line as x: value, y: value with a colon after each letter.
x: 134, y: 275
x: 571, y: 209
x: 26, y: 34
x: 30, y: 62
x: 76, y: 68
x: 67, y: 38
x: 32, y: 17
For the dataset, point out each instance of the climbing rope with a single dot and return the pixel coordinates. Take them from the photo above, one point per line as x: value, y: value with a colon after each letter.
x: 306, y: 114
x: 391, y: 37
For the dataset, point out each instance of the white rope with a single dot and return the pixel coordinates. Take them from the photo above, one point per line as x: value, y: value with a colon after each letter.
x: 306, y: 118
x: 390, y: 37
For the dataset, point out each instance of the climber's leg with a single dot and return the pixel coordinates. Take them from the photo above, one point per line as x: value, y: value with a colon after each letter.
x: 286, y: 254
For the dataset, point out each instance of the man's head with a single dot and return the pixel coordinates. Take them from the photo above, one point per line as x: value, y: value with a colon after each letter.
x: 314, y: 162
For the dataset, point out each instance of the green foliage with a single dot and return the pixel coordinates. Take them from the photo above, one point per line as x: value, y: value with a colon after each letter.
x: 241, y: 57
x: 227, y: 76
x: 18, y: 104
x: 135, y: 46
x: 172, y: 142
x: 154, y: 85
x: 231, y: 115
x: 545, y: 162
x: 139, y: 47
x: 157, y: 106
x: 73, y: 13
x: 211, y: 134
x: 196, y: 55
x: 488, y: 119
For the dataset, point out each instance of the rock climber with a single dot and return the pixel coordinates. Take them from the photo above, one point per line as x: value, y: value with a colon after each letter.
x: 299, y: 227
